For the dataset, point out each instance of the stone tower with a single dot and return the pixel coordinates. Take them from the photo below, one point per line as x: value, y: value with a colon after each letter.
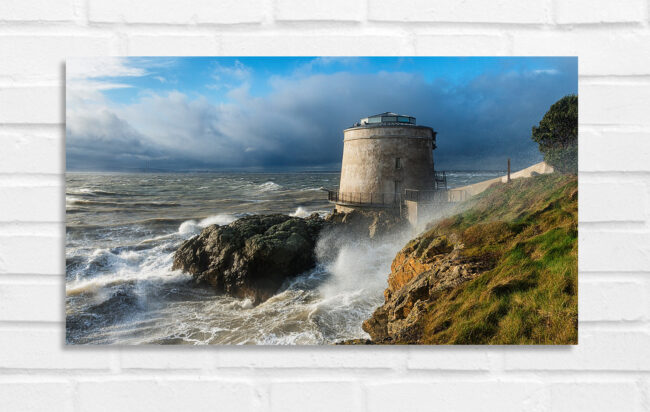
x: 384, y: 156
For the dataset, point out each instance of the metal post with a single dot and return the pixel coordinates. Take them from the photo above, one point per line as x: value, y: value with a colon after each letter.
x: 508, y: 170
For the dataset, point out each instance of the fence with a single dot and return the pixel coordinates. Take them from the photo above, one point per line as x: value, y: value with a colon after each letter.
x: 368, y: 199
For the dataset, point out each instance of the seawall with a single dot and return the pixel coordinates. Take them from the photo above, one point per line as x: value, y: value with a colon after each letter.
x: 461, y: 193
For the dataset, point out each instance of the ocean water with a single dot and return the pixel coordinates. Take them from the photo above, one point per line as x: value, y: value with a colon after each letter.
x: 121, y: 233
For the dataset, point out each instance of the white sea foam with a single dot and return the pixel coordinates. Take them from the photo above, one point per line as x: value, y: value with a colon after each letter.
x: 124, y: 267
x: 300, y: 212
x: 268, y: 186
x: 72, y: 200
x: 192, y: 226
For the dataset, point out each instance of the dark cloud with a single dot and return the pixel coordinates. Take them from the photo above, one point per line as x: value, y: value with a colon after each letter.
x: 299, y: 124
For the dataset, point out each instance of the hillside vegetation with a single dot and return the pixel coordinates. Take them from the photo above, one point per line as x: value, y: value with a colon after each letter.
x: 503, y: 271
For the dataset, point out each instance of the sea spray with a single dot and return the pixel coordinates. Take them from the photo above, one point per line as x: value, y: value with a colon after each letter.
x: 300, y: 212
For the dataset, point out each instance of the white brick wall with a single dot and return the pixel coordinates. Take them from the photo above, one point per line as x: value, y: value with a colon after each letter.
x: 609, y: 370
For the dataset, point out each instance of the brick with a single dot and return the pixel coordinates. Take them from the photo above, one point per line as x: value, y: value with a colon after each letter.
x: 613, y: 251
x: 600, y: 52
x: 32, y: 150
x: 32, y: 104
x: 32, y: 302
x: 45, y: 349
x: 165, y: 395
x: 472, y: 11
x: 37, y: 10
x: 315, y: 357
x: 599, y: 11
x: 595, y: 396
x: 315, y: 396
x: 170, y: 12
x: 338, y: 10
x: 177, y: 45
x: 39, y: 57
x: 460, y: 45
x: 457, y: 396
x: 598, y: 350
x: 32, y: 255
x: 36, y: 396
x: 611, y: 301
x: 614, y: 151
x: 614, y: 103
x: 32, y: 204
x: 449, y: 358
x: 605, y: 201
x: 166, y: 358
x: 313, y: 45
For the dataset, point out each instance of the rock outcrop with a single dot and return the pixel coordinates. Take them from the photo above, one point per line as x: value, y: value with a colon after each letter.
x: 370, y: 224
x: 253, y: 256
x: 425, y: 267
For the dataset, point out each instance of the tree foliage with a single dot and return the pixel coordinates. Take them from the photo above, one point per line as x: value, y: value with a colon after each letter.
x: 557, y: 135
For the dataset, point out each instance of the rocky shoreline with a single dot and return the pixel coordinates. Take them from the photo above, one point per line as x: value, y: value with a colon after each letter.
x: 495, y: 241
x: 252, y: 257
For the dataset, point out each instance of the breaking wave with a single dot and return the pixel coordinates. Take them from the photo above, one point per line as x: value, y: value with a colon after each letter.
x: 192, y: 226
x: 300, y: 212
x: 268, y: 186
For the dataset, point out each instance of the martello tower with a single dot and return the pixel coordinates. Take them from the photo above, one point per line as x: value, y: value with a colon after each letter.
x: 384, y: 156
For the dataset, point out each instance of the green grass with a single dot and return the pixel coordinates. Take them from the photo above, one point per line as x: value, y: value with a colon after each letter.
x: 528, y: 229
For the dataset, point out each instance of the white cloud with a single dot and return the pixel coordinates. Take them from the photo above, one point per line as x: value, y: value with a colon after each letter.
x: 547, y: 71
x: 229, y: 77
x: 300, y: 121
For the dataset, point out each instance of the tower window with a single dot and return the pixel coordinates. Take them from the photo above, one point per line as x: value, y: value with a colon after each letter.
x: 398, y: 163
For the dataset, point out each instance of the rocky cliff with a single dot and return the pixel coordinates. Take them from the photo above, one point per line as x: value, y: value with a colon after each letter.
x: 503, y: 271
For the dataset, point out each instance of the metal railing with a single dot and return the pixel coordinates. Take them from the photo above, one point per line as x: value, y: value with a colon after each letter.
x: 440, y: 180
x: 369, y: 199
x: 439, y: 194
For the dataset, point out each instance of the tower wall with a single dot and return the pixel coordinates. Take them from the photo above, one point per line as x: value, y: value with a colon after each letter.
x: 369, y: 160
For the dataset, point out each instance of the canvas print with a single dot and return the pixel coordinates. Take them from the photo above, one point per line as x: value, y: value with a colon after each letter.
x: 321, y: 200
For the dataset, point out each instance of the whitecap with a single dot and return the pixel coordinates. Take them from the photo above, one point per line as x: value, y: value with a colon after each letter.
x: 265, y: 187
x: 192, y: 226
x: 300, y: 212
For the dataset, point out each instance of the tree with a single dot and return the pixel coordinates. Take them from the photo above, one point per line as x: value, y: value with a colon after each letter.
x: 557, y: 135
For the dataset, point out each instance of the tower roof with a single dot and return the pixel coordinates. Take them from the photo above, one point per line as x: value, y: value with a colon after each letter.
x: 388, y: 118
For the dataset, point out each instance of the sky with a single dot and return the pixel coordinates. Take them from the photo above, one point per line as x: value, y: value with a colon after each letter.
x: 288, y: 113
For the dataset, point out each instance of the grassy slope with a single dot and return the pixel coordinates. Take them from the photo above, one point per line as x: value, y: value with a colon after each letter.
x: 529, y: 229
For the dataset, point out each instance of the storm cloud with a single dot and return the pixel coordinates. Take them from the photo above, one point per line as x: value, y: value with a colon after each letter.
x: 298, y: 124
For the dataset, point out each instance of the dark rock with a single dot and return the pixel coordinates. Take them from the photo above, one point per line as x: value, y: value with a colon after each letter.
x: 371, y: 224
x: 253, y: 256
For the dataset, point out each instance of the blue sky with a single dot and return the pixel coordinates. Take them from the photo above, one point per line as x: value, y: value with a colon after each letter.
x: 274, y: 113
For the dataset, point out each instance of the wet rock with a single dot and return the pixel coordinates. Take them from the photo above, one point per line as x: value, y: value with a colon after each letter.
x: 371, y: 224
x: 253, y: 256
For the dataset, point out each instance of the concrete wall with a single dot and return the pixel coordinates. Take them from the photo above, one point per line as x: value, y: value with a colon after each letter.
x: 462, y: 193
x: 369, y: 154
x: 420, y: 213
x: 608, y: 371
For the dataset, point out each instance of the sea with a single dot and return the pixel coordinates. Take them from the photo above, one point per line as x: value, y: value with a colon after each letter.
x: 122, y: 230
